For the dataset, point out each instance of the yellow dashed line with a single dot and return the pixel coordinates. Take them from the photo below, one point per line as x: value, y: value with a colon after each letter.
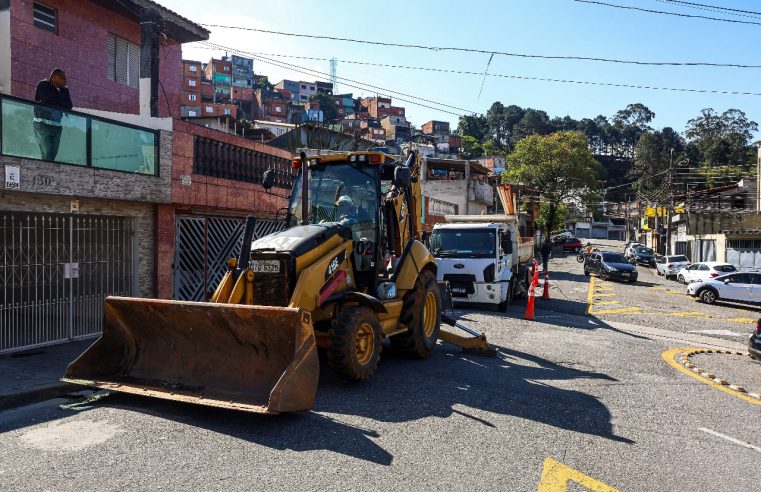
x: 606, y: 303
x: 742, y: 320
x: 617, y: 311
x: 670, y: 357
x: 590, y: 294
x: 599, y: 294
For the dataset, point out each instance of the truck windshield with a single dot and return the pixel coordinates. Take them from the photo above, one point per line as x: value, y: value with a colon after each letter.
x: 464, y: 243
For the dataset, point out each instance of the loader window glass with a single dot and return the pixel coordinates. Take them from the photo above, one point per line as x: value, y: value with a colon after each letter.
x: 464, y: 243
x: 343, y: 193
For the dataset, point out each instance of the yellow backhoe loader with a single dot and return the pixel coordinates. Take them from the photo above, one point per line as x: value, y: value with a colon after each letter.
x: 351, y: 274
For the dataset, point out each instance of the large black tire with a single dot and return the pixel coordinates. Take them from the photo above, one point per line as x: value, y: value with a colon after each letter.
x: 355, y: 343
x: 421, y: 313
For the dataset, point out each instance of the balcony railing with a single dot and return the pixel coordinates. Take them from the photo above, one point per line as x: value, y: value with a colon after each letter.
x: 34, y: 131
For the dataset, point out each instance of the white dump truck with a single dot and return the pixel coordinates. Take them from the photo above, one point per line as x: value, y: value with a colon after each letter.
x: 483, y: 258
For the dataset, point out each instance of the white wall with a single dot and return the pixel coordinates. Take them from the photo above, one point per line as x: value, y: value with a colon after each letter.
x: 452, y: 191
x: 5, y: 51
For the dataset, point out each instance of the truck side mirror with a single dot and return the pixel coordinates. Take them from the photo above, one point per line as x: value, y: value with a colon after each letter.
x: 402, y: 177
x: 268, y: 180
x: 507, y: 243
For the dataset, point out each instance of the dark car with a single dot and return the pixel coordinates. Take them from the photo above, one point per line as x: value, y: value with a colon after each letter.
x: 609, y: 265
x: 644, y: 256
x: 754, y: 344
x: 571, y: 244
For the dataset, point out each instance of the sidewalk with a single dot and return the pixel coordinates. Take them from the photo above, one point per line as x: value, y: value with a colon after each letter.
x: 33, y: 375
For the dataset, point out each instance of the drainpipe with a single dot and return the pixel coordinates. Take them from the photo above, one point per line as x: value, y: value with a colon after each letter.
x: 150, y: 30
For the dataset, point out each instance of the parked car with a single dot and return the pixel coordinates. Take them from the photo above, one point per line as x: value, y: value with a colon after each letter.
x: 704, y: 271
x: 571, y: 245
x: 558, y: 236
x: 739, y: 287
x: 754, y: 343
x: 669, y: 266
x: 610, y: 265
x: 644, y: 256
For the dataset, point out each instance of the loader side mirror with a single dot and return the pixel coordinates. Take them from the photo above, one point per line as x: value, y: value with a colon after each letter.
x: 269, y: 179
x: 402, y: 177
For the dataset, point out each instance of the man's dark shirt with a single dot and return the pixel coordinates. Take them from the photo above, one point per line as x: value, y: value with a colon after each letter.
x: 50, y: 96
x: 546, y: 249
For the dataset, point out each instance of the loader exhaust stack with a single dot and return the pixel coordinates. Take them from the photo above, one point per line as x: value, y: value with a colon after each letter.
x: 254, y: 358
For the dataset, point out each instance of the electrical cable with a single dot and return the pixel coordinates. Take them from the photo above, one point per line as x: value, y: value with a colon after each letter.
x: 663, y: 12
x: 484, y: 51
x: 714, y: 7
x: 521, y: 77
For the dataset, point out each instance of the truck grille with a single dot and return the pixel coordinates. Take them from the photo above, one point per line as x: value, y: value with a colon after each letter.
x: 461, y: 285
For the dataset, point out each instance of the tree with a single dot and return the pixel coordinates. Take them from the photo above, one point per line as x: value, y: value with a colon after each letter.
x: 327, y: 104
x: 474, y: 126
x: 631, y: 122
x: 722, y: 139
x: 559, y: 165
x: 471, y: 148
x: 654, y: 155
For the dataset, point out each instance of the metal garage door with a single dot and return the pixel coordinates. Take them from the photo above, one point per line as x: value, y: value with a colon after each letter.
x: 744, y: 252
x: 203, y: 245
x: 55, y: 272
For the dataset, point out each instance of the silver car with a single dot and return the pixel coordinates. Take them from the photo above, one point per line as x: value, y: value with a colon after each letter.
x: 669, y: 266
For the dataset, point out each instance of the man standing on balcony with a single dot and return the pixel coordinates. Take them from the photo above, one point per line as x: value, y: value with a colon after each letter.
x: 47, y: 120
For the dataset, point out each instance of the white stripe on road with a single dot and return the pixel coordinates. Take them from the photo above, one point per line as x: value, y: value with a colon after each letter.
x: 718, y: 332
x: 730, y: 439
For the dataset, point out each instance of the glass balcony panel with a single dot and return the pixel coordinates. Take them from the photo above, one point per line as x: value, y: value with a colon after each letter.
x: 122, y: 148
x: 39, y: 132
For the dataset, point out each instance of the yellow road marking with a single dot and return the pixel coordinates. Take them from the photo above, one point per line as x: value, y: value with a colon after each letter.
x: 606, y: 303
x: 590, y: 294
x: 597, y: 294
x: 688, y: 314
x: 679, y: 292
x: 670, y: 357
x: 617, y: 311
x: 556, y: 475
x: 742, y: 320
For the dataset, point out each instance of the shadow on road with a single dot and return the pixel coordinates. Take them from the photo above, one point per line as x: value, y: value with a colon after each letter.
x: 405, y: 393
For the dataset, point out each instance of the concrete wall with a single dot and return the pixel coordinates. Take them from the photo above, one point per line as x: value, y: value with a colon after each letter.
x: 143, y: 214
x: 81, y: 182
x: 81, y: 49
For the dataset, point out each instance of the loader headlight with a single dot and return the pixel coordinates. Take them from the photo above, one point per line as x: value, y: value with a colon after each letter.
x: 386, y: 290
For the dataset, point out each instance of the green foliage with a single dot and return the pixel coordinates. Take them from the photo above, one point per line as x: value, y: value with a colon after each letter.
x: 722, y: 139
x: 549, y: 222
x: 654, y: 154
x: 473, y: 126
x: 560, y: 165
x: 327, y: 104
x: 471, y: 148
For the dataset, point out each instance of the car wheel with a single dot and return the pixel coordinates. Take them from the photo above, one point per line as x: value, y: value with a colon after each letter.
x: 708, y: 296
x: 586, y: 272
x: 576, y: 250
x: 680, y: 279
x: 632, y: 280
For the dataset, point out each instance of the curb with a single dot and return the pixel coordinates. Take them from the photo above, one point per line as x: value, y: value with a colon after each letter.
x: 36, y: 394
x: 684, y: 359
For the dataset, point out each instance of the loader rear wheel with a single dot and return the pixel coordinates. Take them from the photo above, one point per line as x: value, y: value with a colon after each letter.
x: 421, y: 313
x: 355, y: 344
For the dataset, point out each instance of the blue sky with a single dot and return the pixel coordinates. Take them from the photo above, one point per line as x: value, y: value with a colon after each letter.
x: 547, y: 27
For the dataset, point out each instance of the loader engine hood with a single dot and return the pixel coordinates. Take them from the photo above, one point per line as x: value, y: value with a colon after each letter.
x: 300, y: 239
x: 278, y: 259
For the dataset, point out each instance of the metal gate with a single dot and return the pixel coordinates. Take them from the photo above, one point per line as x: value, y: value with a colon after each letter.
x: 202, y: 248
x: 55, y: 272
x: 745, y: 253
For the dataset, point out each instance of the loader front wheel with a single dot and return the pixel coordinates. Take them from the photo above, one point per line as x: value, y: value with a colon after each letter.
x: 421, y: 313
x: 355, y: 344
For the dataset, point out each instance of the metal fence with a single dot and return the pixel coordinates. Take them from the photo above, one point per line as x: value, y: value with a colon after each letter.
x: 55, y: 272
x: 203, y: 245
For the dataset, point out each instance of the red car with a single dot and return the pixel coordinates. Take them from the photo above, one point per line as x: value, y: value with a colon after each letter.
x: 571, y: 244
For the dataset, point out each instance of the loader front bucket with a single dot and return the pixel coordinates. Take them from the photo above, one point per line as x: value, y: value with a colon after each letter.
x: 255, y: 358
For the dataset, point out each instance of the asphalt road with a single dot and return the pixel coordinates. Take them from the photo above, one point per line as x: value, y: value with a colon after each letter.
x: 586, y: 398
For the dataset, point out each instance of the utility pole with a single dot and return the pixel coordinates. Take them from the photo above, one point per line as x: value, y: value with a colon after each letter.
x: 670, y: 203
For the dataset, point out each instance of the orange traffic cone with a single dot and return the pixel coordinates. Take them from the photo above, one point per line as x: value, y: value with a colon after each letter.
x: 535, y: 280
x: 546, y: 293
x: 530, y: 306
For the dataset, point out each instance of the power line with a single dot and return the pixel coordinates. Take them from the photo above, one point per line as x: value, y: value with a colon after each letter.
x: 354, y: 84
x: 713, y: 7
x: 520, y: 77
x: 485, y: 51
x: 663, y: 12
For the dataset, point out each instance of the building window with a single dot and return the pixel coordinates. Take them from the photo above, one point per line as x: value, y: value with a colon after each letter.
x: 303, y: 98
x: 227, y: 111
x: 278, y: 109
x: 192, y: 113
x: 192, y: 82
x: 46, y: 18
x: 192, y: 97
x: 303, y: 86
x: 193, y: 68
x: 123, y: 61
x: 311, y: 88
x: 209, y: 109
x: 226, y: 68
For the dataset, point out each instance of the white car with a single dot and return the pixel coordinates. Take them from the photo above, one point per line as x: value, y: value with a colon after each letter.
x: 629, y: 249
x: 670, y: 265
x: 697, y: 272
x: 740, y: 287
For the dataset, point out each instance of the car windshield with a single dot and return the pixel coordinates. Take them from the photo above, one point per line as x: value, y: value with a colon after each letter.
x: 677, y: 259
x: 645, y: 251
x: 464, y: 243
x: 725, y: 268
x: 614, y: 258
